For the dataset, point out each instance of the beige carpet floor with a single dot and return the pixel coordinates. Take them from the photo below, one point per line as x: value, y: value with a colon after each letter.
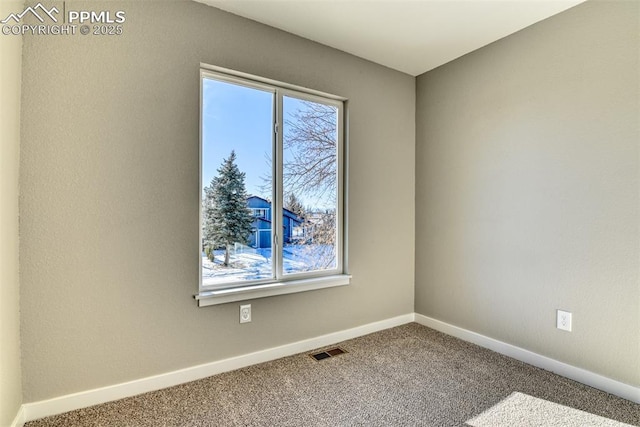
x: 405, y: 376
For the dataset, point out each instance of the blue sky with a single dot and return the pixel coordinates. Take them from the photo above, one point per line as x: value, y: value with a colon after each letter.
x: 239, y: 118
x: 236, y: 118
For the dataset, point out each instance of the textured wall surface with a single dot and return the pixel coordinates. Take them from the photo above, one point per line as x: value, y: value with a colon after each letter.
x: 527, y: 189
x: 10, y: 70
x: 109, y: 197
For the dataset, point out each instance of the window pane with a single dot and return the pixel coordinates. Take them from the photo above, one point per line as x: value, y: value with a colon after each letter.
x: 237, y: 123
x: 310, y: 183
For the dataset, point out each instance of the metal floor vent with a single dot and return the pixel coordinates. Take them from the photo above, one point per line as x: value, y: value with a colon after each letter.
x: 328, y: 353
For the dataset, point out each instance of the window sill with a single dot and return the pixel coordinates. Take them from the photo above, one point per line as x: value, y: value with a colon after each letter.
x: 224, y: 296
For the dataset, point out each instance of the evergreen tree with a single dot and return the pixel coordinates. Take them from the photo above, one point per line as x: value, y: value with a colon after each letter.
x: 294, y: 205
x: 227, y: 220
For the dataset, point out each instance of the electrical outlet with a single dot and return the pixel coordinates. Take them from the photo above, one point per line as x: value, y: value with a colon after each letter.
x: 563, y: 320
x: 245, y: 313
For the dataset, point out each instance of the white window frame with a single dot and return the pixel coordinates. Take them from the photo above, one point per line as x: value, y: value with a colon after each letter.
x: 281, y: 283
x: 255, y: 212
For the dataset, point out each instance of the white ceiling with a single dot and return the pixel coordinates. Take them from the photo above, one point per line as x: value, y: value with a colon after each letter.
x: 413, y: 36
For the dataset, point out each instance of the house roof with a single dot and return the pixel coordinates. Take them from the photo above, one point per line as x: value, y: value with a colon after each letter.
x: 284, y: 210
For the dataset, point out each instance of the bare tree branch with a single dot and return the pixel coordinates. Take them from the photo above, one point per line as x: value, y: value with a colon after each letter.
x: 310, y: 142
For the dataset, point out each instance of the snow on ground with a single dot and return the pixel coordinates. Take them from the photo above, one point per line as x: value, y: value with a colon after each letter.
x: 255, y: 264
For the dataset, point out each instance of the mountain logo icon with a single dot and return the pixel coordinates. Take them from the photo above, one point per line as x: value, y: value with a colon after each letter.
x: 38, y: 11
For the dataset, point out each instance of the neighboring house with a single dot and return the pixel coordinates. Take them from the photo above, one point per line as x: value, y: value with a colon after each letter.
x: 261, y: 210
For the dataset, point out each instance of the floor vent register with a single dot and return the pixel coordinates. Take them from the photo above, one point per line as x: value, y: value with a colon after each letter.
x: 332, y: 352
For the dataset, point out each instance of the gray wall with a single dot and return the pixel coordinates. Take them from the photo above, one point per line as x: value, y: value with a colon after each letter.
x: 10, y: 68
x: 109, y: 197
x: 527, y: 189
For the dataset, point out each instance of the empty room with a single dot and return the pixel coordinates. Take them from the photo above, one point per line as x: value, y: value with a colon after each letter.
x: 319, y: 213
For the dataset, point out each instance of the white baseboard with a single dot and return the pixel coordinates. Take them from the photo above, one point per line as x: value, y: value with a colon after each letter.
x: 70, y: 402
x: 583, y: 376
x: 20, y: 419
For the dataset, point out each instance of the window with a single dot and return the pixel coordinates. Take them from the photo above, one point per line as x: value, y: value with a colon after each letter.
x: 298, y: 232
x: 271, y: 188
x: 260, y: 213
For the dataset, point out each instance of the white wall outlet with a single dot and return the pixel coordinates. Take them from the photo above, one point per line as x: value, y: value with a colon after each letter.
x: 563, y: 320
x: 245, y: 313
